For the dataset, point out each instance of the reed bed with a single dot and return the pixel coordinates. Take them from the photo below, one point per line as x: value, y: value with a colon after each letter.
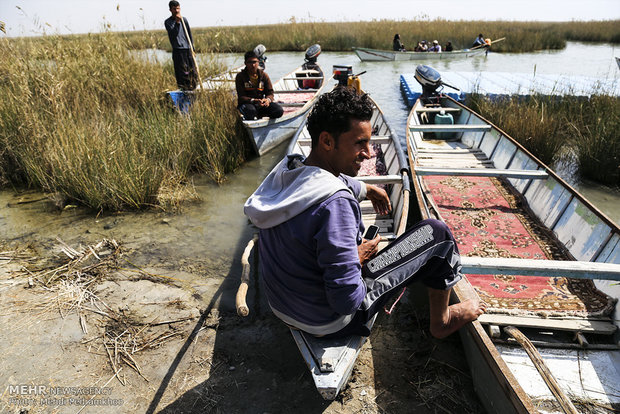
x: 553, y: 129
x: 378, y: 34
x: 81, y: 117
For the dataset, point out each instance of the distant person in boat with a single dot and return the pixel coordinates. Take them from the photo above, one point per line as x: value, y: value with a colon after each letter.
x: 180, y: 36
x: 255, y: 92
x: 448, y: 47
x: 419, y: 47
x: 436, y: 47
x: 479, y: 41
x: 320, y: 275
x: 397, y: 44
x: 423, y: 46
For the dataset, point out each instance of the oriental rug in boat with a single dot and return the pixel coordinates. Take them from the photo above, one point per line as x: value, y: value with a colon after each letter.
x: 488, y: 219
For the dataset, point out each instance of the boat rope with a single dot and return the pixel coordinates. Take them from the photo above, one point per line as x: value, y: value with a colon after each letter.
x: 389, y: 312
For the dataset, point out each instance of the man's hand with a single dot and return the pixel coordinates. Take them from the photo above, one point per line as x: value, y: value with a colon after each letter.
x: 264, y: 102
x: 379, y: 199
x: 368, y: 249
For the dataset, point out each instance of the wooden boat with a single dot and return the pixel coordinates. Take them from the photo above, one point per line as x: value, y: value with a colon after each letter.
x: 575, y: 351
x: 374, y: 55
x: 292, y: 91
x: 331, y: 361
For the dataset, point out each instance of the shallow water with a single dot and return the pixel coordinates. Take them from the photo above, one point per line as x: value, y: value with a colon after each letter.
x: 215, y: 230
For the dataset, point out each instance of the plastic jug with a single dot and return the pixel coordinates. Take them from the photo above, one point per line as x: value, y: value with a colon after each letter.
x: 355, y: 83
x: 442, y: 118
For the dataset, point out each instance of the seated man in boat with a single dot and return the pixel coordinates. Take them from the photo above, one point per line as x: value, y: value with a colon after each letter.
x: 255, y: 92
x: 436, y: 47
x: 397, y: 44
x: 449, y: 47
x: 319, y: 274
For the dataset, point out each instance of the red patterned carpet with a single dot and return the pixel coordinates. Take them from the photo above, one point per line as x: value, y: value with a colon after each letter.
x: 488, y: 220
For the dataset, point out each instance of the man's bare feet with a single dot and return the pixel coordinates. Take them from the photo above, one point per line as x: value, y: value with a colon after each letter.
x: 456, y: 316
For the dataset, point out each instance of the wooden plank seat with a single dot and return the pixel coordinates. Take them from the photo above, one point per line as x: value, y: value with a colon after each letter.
x: 572, y: 325
x: 482, y: 172
x: 295, y: 90
x: 544, y: 268
x: 438, y: 110
x: 449, y: 128
x: 291, y: 104
x: 375, y: 139
x: 381, y: 179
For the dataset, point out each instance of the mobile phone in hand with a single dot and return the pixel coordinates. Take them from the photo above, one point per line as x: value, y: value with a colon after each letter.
x: 371, y: 232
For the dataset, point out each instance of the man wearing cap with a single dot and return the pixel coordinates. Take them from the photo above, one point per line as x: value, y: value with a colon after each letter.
x: 436, y: 47
x: 255, y: 92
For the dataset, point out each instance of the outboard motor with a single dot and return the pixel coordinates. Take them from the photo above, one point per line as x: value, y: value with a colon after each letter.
x: 342, y: 73
x: 431, y: 82
x: 311, y: 68
x: 312, y: 53
x: 259, y: 51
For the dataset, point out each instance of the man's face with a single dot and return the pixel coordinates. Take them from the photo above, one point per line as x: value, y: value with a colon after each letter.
x: 252, y: 65
x: 353, y: 147
x: 175, y: 10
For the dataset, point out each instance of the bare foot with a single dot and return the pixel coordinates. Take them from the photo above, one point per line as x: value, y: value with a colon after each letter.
x: 456, y: 316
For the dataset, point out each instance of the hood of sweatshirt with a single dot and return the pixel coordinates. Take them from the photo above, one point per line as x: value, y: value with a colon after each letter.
x: 289, y: 189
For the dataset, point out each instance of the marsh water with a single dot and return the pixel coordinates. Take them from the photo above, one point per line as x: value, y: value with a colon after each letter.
x: 208, y: 237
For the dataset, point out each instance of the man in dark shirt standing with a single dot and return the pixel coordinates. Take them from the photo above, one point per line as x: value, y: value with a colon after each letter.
x: 180, y: 36
x: 255, y: 92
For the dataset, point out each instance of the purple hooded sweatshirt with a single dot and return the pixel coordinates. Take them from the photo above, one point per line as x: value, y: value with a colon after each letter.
x: 310, y: 225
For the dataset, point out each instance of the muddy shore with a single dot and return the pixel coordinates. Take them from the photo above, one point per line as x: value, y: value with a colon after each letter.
x: 151, y: 327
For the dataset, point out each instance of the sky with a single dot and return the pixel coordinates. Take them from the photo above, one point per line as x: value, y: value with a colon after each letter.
x: 37, y: 17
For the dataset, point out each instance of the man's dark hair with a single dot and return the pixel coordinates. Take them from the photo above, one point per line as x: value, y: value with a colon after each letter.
x: 333, y: 112
x: 249, y: 55
x: 173, y: 3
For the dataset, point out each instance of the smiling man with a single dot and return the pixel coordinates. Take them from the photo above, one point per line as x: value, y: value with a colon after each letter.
x: 319, y: 273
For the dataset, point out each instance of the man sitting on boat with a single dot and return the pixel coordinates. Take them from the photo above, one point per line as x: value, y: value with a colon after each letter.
x: 436, y: 47
x: 320, y: 275
x: 397, y: 44
x: 255, y: 92
x: 449, y: 47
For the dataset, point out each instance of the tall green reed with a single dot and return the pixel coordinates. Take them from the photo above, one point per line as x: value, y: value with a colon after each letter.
x: 82, y: 117
x: 552, y: 127
x: 378, y: 34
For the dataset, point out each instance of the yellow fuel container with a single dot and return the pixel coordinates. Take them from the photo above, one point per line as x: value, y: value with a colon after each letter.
x: 355, y: 83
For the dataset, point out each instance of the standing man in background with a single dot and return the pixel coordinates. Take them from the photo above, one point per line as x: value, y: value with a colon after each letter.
x: 180, y: 36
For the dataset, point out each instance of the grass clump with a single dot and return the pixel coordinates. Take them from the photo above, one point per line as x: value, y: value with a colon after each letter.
x: 81, y: 117
x: 552, y: 128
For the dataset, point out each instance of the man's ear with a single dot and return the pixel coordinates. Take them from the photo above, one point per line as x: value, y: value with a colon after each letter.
x: 326, y: 141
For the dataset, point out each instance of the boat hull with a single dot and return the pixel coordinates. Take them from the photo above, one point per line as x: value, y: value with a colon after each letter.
x: 374, y: 55
x: 331, y: 361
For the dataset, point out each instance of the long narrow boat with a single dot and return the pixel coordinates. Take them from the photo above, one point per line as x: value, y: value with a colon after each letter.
x: 331, y: 361
x: 296, y: 92
x: 375, y: 55
x: 544, y: 259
